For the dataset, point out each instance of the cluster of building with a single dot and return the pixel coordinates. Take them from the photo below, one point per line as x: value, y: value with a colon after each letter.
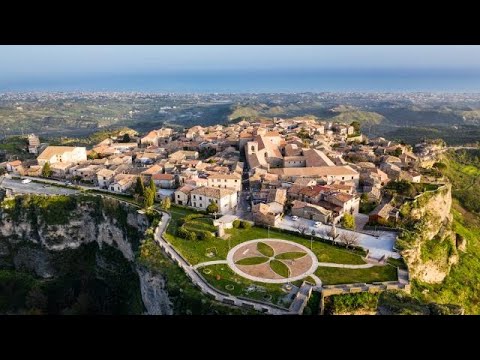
x: 315, y: 170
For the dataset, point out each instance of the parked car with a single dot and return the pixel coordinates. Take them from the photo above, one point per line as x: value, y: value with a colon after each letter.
x: 317, y: 224
x: 294, y: 217
x: 26, y: 181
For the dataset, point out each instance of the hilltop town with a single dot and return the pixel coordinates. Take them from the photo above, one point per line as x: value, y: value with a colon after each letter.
x: 257, y: 171
x: 306, y: 186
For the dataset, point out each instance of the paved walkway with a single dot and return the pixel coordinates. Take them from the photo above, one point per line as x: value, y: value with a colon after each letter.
x: 380, y: 244
x: 198, y: 280
x: 318, y: 282
x: 346, y: 266
x: 208, y: 263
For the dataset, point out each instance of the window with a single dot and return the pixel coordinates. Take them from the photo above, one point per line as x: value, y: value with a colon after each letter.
x: 195, y: 204
x: 343, y: 177
x: 236, y: 181
x: 200, y: 198
x: 252, y: 148
x: 225, y: 180
x: 200, y: 205
x: 216, y: 201
x: 178, y: 196
x: 194, y: 196
x: 352, y: 177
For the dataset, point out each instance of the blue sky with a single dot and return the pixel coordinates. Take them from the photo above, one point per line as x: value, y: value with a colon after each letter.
x: 39, y: 61
x: 74, y: 66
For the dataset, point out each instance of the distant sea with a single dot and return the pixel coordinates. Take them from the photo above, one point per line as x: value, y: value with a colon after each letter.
x: 395, y: 80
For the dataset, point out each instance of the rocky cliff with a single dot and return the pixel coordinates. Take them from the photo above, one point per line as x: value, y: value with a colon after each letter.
x: 427, y: 242
x: 92, y: 238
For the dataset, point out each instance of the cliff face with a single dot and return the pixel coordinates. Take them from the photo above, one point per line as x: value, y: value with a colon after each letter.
x: 37, y: 234
x: 428, y: 246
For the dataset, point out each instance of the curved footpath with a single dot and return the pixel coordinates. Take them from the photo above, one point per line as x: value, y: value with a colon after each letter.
x: 199, y: 281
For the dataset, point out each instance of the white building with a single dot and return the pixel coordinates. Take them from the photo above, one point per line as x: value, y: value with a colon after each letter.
x: 54, y: 154
x: 226, y: 181
x: 105, y: 178
x: 226, y: 199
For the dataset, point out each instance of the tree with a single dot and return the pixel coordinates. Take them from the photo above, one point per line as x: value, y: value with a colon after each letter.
x: 47, y: 170
x: 93, y: 155
x: 356, y: 126
x: 301, y: 228
x: 148, y: 197
x: 348, y: 239
x: 166, y: 203
x: 439, y: 166
x: 348, y: 221
x: 397, y: 152
x: 126, y: 138
x: 152, y: 186
x: 212, y: 208
x: 139, y: 187
x: 2, y: 171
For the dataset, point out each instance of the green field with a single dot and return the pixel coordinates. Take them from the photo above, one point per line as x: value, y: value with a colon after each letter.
x: 223, y: 278
x: 333, y: 276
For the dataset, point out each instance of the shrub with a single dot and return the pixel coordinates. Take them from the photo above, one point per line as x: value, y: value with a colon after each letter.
x: 245, y: 224
x: 192, y: 216
x: 236, y: 224
x: 191, y: 236
x: 348, y: 221
x: 182, y: 232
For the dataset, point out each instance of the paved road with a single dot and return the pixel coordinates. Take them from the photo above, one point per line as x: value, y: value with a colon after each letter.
x: 34, y: 188
x: 379, y: 245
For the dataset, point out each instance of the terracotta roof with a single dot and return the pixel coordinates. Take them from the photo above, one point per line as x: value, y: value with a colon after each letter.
x: 225, y: 176
x: 186, y: 189
x: 297, y: 204
x: 212, y: 192
x: 261, y: 208
x: 343, y: 197
x: 55, y: 150
x: 312, y: 191
x: 163, y: 177
x: 105, y: 172
x: 316, y: 157
x: 304, y: 181
x: 315, y: 171
x: 15, y: 163
x: 153, y: 170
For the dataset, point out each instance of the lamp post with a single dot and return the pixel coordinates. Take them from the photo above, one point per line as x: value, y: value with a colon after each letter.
x: 268, y: 231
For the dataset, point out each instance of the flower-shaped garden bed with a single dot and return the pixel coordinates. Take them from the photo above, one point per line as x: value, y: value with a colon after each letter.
x: 272, y: 260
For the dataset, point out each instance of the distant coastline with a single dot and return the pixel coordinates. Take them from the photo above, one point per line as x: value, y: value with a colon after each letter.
x: 400, y: 80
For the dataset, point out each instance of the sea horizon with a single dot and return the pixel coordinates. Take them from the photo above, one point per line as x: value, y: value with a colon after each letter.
x: 259, y: 81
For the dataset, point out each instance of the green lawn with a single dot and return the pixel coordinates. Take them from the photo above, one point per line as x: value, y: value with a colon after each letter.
x: 196, y: 251
x: 333, y: 276
x: 221, y: 276
x: 265, y: 249
x: 280, y: 268
x: 290, y: 255
x: 252, y: 260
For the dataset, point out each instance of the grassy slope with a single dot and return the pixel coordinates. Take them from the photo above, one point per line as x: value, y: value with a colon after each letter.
x: 462, y: 285
x: 333, y: 276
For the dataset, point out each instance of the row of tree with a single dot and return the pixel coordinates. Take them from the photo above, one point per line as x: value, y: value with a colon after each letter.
x: 145, y: 193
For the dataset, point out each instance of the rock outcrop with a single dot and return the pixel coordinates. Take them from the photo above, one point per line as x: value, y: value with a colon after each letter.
x: 33, y: 241
x: 428, y: 245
